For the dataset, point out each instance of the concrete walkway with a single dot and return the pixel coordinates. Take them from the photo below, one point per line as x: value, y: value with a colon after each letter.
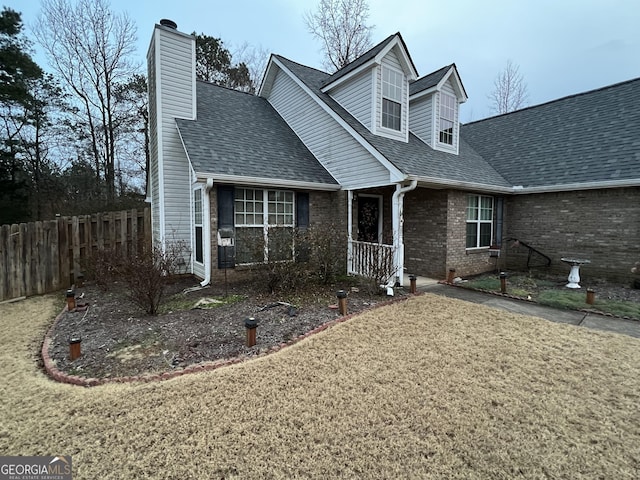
x: 573, y: 317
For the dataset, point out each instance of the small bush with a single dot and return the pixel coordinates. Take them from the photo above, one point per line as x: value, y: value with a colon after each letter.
x: 296, y: 257
x: 148, y: 273
x: 102, y: 267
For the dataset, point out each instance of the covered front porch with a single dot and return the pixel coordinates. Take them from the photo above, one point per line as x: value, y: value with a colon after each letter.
x: 375, y: 233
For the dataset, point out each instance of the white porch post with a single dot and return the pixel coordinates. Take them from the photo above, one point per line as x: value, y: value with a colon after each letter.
x: 350, y: 231
x: 397, y: 207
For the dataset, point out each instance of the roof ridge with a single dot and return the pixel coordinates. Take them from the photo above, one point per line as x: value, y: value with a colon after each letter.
x: 300, y: 64
x: 205, y: 82
x: 567, y: 97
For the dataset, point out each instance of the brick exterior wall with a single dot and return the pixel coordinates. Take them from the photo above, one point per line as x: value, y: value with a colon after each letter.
x: 326, y: 210
x: 601, y: 225
x: 435, y: 225
x: 425, y: 232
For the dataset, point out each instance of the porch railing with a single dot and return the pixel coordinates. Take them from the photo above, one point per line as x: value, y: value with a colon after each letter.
x: 373, y: 260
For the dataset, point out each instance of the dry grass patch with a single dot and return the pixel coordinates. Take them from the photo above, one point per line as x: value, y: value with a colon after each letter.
x: 427, y: 388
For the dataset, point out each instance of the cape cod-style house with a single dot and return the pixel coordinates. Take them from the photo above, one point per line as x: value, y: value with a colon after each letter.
x: 377, y: 153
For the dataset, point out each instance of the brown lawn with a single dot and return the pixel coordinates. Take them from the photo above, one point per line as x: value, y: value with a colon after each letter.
x: 425, y: 388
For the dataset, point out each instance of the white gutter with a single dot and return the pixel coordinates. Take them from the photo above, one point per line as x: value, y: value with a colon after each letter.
x: 269, y: 182
x: 442, y: 183
x: 397, y: 219
x: 206, y: 233
x: 520, y: 190
x: 633, y: 182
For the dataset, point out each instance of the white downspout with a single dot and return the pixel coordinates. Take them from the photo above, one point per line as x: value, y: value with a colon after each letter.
x: 398, y: 225
x: 349, y: 231
x: 206, y: 233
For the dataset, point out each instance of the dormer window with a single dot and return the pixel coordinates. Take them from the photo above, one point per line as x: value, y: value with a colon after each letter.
x: 447, y: 118
x: 392, y: 82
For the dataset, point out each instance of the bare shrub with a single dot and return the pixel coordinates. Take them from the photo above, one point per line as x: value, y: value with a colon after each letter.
x: 102, y: 266
x: 293, y: 258
x: 326, y: 253
x: 148, y: 273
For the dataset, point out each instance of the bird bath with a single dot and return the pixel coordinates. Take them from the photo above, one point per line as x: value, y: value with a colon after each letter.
x: 574, y: 274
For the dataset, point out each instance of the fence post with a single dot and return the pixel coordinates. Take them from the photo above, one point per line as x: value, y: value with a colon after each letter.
x: 123, y: 233
x: 134, y: 232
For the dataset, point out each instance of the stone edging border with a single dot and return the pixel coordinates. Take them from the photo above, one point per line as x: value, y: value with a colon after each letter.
x: 60, y: 376
x: 515, y: 297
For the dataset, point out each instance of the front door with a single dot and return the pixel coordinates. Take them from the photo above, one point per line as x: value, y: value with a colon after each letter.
x: 369, y: 219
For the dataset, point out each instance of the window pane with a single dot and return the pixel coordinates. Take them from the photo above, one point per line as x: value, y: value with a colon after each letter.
x: 280, y: 244
x: 472, y: 235
x: 197, y: 206
x: 472, y: 207
x: 199, y: 256
x: 485, y: 235
x: 391, y: 112
x: 249, y: 245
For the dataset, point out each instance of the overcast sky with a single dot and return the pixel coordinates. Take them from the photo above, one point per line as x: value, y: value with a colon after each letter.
x: 562, y: 47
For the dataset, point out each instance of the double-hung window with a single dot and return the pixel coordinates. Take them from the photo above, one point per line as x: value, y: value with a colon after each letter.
x: 392, y: 82
x: 479, y: 221
x: 447, y: 118
x: 264, y: 221
x: 198, y: 223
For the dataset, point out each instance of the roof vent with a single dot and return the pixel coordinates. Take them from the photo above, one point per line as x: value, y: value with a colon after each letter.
x: 168, y: 23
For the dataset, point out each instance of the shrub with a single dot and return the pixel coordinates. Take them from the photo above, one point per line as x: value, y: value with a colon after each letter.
x: 148, y: 273
x: 102, y: 267
x: 296, y: 257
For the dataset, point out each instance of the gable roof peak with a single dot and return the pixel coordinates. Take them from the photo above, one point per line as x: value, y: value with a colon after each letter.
x: 434, y: 81
x: 373, y: 56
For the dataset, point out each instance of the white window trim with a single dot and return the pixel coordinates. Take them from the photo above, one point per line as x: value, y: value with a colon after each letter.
x: 404, y: 107
x: 265, y: 225
x: 454, y: 140
x: 201, y: 224
x: 479, y: 222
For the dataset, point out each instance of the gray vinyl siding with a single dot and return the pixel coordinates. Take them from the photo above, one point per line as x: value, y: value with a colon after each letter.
x: 421, y: 119
x: 346, y: 159
x: 448, y: 88
x: 391, y: 60
x: 356, y: 97
x: 177, y: 100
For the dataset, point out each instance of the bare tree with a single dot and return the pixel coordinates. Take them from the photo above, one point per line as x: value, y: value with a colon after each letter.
x: 255, y: 59
x: 509, y: 90
x: 89, y: 47
x: 341, y: 27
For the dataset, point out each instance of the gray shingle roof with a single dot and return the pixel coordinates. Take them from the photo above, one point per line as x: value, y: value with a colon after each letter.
x: 241, y: 134
x: 589, y: 137
x: 415, y: 157
x: 428, y: 81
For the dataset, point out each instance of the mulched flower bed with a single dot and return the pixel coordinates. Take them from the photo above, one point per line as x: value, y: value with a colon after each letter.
x: 119, y: 340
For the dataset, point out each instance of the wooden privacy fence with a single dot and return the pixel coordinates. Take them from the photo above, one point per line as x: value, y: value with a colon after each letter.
x: 42, y: 257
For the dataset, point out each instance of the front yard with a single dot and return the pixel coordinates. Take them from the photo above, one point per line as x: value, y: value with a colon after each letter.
x: 425, y: 388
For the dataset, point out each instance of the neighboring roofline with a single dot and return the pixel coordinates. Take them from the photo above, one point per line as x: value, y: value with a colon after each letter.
x: 394, y: 172
x: 556, y: 100
x: 268, y: 182
x: 632, y: 182
x: 396, y: 40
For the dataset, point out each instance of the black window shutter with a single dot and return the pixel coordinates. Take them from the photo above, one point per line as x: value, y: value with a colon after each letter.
x: 226, y: 198
x: 302, y: 210
x: 499, y: 220
x: 303, y: 249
